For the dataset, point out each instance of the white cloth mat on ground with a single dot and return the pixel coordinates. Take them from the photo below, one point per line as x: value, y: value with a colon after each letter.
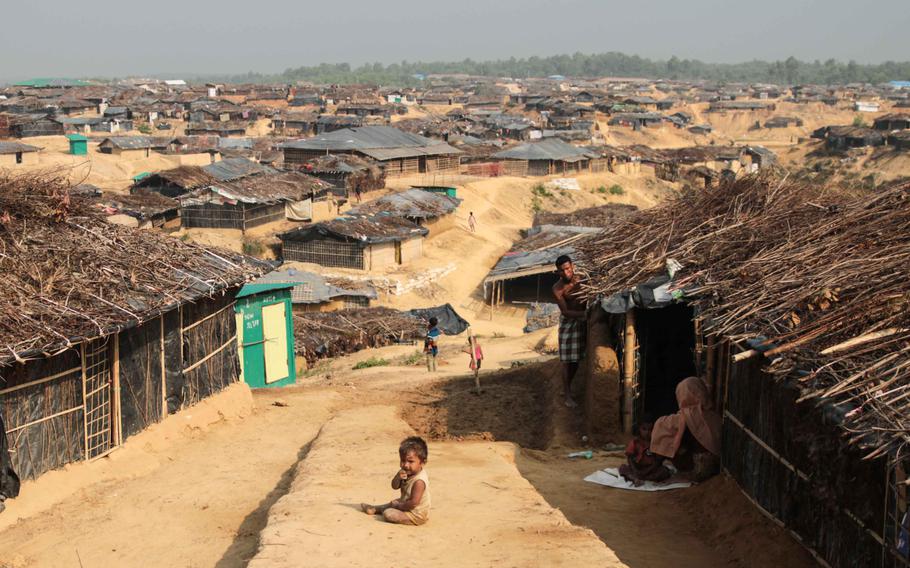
x: 611, y: 478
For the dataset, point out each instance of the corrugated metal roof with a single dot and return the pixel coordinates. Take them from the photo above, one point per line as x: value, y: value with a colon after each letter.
x: 136, y: 142
x: 372, y: 138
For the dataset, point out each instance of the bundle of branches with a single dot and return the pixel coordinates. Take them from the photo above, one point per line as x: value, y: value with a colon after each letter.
x: 834, y: 300
x: 821, y: 274
x: 331, y: 334
x: 703, y: 230
x: 69, y: 275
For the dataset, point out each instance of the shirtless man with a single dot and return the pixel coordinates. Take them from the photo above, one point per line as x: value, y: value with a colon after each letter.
x: 572, y: 327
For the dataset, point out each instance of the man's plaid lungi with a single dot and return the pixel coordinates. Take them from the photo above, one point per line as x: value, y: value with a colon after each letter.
x: 572, y: 336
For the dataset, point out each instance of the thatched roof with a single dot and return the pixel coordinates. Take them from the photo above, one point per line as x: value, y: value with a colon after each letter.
x: 822, y: 275
x: 70, y: 276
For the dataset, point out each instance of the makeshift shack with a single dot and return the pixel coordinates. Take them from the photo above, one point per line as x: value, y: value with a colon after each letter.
x: 547, y: 157
x: 400, y: 153
x: 323, y: 335
x: 527, y: 272
x: 350, y: 175
x: 433, y: 211
x: 250, y: 201
x: 16, y: 154
x: 95, y: 345
x: 799, y: 334
x: 364, y: 243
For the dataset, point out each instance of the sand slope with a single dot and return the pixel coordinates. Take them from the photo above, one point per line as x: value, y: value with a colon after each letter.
x: 319, y: 524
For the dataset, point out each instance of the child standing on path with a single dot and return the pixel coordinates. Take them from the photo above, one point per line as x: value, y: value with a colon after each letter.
x: 476, y: 353
x: 413, y: 507
x: 431, y: 344
x: 472, y: 222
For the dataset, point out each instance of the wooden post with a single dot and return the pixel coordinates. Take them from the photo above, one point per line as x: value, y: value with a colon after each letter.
x: 628, y: 355
x: 710, y: 364
x: 163, y: 375
x: 116, y: 414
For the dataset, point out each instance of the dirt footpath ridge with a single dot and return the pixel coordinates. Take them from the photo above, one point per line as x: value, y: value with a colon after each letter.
x: 484, y: 512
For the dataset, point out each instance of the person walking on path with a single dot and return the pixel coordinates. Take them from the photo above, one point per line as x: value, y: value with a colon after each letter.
x: 572, y: 330
x: 472, y: 222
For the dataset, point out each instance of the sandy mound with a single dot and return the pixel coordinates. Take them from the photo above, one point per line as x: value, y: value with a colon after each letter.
x: 319, y: 524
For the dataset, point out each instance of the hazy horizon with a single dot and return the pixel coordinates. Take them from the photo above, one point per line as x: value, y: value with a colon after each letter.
x: 202, y: 38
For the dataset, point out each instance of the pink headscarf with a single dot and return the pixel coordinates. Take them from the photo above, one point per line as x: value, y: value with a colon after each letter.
x: 695, y: 413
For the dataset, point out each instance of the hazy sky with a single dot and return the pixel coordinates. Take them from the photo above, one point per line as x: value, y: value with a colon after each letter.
x: 186, y: 37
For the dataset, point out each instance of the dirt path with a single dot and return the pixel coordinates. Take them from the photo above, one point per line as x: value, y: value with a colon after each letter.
x: 184, y: 495
x: 200, y: 498
x: 484, y: 513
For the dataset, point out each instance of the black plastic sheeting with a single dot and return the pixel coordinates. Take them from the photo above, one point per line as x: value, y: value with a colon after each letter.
x: 140, y: 377
x: 220, y: 370
x: 173, y: 363
x: 808, y: 437
x: 653, y: 293
x: 49, y: 444
x: 9, y: 481
x: 450, y: 323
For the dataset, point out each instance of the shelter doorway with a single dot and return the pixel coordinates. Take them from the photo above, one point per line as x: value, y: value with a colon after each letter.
x: 666, y: 339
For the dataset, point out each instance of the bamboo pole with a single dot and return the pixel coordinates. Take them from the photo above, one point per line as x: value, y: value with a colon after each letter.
x: 163, y: 374
x: 629, y: 348
x: 709, y: 366
x: 116, y: 414
x: 84, y: 407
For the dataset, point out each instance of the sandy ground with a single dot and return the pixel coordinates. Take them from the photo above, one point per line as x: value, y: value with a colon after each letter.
x: 190, y: 491
x: 482, y: 507
x: 200, y: 488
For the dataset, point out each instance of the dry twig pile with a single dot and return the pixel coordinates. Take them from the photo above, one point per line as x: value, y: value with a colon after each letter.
x: 69, y: 275
x: 331, y: 334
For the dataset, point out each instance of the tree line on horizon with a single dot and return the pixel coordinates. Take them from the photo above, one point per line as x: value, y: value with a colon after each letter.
x: 790, y: 71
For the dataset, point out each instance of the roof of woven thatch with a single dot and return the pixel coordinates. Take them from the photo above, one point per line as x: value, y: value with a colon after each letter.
x: 806, y: 266
x: 71, y: 276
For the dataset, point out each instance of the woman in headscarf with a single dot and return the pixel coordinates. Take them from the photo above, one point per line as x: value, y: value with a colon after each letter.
x: 691, y: 437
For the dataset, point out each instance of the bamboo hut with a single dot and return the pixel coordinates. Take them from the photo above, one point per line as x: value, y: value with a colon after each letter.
x: 400, y: 153
x: 790, y: 301
x: 364, y: 243
x: 106, y: 329
x: 251, y: 201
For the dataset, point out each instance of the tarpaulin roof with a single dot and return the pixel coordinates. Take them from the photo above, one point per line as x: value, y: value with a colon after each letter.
x: 550, y: 149
x: 450, y: 323
x: 412, y: 203
x: 537, y: 253
x: 236, y: 168
x: 284, y: 186
x: 312, y: 288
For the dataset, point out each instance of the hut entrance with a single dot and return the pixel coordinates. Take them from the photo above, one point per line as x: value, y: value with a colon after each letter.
x: 666, y: 339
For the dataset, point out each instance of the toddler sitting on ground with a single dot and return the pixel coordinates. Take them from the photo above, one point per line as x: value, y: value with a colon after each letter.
x: 413, y: 507
x: 643, y: 465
